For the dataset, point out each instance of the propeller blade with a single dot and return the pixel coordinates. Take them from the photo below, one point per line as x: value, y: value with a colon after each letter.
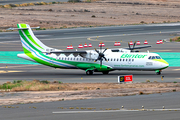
x: 133, y: 46
x: 96, y: 50
x: 105, y: 59
x: 105, y: 50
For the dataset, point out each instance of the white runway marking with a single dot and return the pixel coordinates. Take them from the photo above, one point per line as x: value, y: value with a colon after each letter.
x: 122, y: 110
x: 94, y: 38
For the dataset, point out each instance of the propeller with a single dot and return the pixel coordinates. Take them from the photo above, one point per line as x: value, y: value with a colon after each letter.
x: 132, y: 47
x: 101, y: 55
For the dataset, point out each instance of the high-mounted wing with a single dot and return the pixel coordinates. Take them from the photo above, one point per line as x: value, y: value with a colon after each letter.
x: 64, y: 52
x: 139, y: 47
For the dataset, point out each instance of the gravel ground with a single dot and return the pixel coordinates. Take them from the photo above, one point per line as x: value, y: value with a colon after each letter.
x: 94, y: 90
x: 108, y: 12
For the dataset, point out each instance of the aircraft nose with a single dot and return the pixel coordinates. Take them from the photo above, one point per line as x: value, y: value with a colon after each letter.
x: 164, y: 63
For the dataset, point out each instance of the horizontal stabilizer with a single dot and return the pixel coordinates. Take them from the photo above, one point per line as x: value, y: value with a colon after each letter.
x: 139, y: 47
x: 23, y: 28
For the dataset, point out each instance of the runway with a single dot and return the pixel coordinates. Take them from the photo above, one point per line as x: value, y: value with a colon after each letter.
x: 31, y: 72
x: 46, y: 111
x: 60, y: 39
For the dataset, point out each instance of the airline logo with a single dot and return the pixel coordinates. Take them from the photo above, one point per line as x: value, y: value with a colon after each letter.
x: 132, y: 56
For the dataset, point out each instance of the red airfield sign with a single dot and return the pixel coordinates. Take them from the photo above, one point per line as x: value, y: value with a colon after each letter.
x: 125, y: 78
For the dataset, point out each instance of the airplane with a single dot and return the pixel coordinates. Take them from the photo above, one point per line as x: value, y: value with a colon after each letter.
x: 102, y: 60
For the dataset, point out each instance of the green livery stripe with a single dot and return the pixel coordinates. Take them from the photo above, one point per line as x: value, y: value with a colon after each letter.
x: 32, y: 47
x: 29, y: 54
x: 23, y: 25
x: 25, y: 39
x: 30, y: 38
x: 48, y: 64
x: 161, y: 60
x: 29, y: 35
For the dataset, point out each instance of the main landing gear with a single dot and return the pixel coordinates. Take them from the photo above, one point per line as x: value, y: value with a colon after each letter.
x: 105, y: 72
x: 89, y: 72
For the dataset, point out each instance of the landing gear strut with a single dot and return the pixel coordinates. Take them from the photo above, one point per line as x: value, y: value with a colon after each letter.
x: 158, y: 72
x: 89, y: 72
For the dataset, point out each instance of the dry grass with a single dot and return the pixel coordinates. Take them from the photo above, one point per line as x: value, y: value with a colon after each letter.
x: 175, y: 39
x: 38, y: 91
x: 56, y: 15
x: 37, y: 85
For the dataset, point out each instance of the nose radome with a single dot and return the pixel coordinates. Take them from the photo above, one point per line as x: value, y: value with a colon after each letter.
x: 165, y: 64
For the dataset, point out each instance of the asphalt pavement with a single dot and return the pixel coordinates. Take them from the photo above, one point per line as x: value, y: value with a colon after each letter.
x: 60, y: 39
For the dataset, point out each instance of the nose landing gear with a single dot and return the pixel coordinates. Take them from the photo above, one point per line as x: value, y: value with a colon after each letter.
x: 158, y: 72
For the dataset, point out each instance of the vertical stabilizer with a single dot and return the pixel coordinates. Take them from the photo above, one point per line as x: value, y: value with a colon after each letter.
x: 29, y: 41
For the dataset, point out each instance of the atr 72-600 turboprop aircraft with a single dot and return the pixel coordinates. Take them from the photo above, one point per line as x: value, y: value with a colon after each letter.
x: 102, y: 60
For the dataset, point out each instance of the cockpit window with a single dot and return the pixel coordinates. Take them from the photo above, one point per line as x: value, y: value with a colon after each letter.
x: 154, y: 57
x: 158, y: 57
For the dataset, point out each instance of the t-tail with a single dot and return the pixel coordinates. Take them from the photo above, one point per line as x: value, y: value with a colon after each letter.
x: 29, y: 41
x: 32, y: 46
x: 36, y: 51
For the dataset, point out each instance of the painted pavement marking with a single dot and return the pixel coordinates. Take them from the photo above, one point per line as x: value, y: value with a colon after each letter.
x: 122, y: 110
